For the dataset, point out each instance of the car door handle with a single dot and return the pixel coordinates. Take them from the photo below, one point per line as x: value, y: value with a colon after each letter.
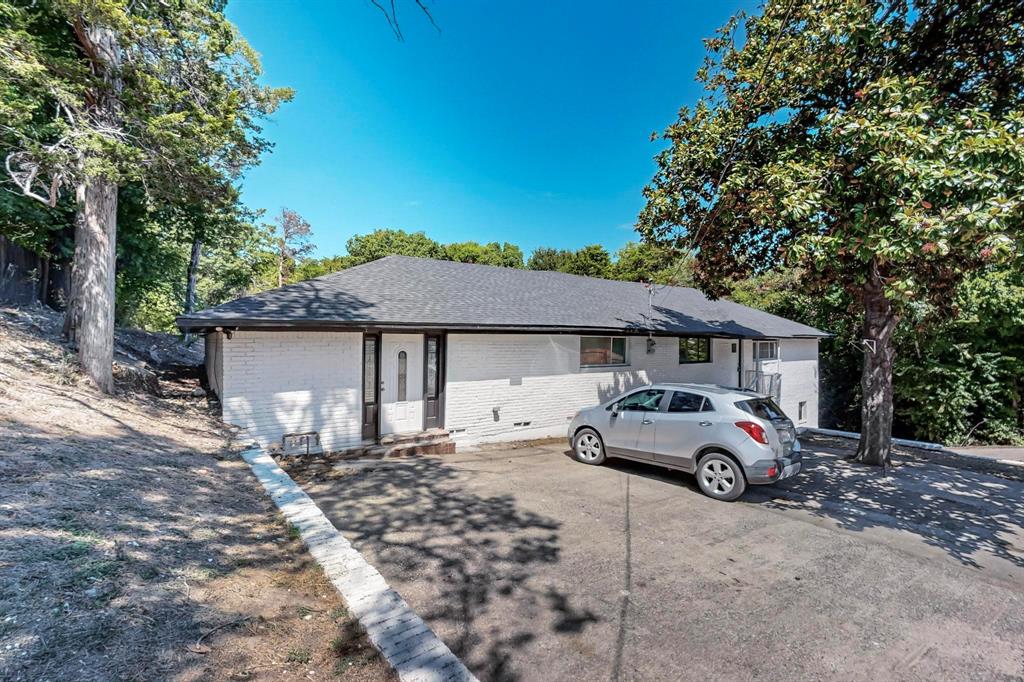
x: 705, y: 423
x: 647, y: 421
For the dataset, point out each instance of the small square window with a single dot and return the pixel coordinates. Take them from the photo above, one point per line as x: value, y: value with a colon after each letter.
x: 693, y: 349
x: 766, y: 350
x: 802, y: 411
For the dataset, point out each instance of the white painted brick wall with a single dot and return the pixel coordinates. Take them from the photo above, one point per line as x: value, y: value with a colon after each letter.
x: 497, y: 380
x: 799, y: 366
x: 290, y: 382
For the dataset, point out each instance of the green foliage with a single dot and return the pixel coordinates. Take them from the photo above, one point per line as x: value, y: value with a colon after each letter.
x: 172, y: 101
x: 504, y: 254
x: 379, y: 243
x: 647, y: 262
x: 958, y: 377
x: 877, y: 147
x: 960, y: 380
x: 835, y: 135
x: 318, y: 267
x: 546, y: 258
x: 169, y: 108
x: 590, y: 261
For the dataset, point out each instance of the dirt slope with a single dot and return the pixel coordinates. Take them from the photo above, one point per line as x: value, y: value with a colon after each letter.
x: 134, y: 544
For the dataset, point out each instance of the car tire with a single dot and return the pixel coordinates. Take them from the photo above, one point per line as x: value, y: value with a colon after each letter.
x: 720, y: 477
x: 587, y: 447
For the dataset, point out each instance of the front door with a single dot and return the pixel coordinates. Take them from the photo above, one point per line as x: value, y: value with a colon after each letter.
x: 401, y: 386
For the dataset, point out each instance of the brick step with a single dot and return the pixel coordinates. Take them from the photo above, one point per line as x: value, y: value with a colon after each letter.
x: 414, y: 437
x: 432, y: 442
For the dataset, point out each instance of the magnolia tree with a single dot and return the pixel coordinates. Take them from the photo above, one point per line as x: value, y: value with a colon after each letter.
x: 101, y: 93
x: 876, y: 145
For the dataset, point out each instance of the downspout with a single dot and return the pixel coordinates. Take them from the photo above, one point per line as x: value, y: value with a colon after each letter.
x: 739, y: 364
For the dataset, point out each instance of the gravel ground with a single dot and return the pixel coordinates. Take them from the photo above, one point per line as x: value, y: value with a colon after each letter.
x: 135, y: 545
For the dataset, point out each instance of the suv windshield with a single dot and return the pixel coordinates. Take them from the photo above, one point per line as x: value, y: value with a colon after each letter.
x: 762, y: 408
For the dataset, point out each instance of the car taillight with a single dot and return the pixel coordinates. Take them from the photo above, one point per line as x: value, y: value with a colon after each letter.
x: 755, y: 431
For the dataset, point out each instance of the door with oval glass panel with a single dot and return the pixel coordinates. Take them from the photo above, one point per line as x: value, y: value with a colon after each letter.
x: 401, y: 389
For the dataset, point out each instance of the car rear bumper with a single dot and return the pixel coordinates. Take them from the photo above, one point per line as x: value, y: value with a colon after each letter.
x: 767, y: 471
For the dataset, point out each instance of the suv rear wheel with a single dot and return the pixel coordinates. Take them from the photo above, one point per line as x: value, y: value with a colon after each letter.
x: 720, y: 477
x: 587, y: 447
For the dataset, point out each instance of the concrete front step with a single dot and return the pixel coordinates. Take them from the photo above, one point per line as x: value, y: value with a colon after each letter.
x: 416, y: 436
x: 431, y: 442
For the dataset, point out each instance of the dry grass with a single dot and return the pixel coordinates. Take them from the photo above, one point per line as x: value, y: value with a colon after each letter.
x: 134, y: 544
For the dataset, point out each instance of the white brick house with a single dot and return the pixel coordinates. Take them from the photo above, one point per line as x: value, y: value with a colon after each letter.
x: 401, y: 345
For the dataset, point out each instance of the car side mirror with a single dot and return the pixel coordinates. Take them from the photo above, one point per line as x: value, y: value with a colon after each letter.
x: 615, y: 408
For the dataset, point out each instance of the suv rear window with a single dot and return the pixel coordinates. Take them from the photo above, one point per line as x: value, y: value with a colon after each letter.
x: 762, y: 408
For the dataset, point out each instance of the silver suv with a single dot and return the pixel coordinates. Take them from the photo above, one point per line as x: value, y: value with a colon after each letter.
x: 727, y: 437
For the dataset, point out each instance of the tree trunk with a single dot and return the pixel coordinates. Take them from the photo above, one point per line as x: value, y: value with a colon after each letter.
x: 90, y: 317
x: 94, y: 280
x: 880, y: 320
x: 193, y: 275
x: 280, y: 264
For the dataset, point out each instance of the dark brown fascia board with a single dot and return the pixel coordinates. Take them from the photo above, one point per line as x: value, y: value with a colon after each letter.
x: 205, y: 326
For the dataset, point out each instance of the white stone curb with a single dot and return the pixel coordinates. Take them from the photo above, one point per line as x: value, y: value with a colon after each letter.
x: 984, y: 459
x: 856, y: 436
x: 406, y: 642
x: 918, y: 444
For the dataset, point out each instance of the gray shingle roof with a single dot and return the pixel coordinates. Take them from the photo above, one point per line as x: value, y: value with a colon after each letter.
x: 399, y: 291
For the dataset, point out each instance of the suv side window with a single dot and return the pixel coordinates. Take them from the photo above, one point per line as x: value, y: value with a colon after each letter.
x: 642, y: 401
x: 689, y: 402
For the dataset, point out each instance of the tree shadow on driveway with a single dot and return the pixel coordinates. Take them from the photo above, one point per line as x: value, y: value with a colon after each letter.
x: 960, y: 511
x: 467, y: 558
x: 963, y: 512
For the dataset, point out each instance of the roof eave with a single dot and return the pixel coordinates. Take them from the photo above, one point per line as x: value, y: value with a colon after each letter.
x: 202, y: 325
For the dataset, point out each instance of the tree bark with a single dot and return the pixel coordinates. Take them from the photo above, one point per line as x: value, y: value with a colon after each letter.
x: 193, y: 276
x: 90, y: 316
x: 94, y: 279
x: 880, y: 320
x: 280, y: 263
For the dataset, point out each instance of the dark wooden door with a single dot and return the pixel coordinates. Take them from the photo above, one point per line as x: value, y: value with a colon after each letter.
x: 371, y: 386
x: 433, y: 381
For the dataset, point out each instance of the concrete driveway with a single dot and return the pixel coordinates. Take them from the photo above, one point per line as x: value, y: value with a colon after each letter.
x: 534, y: 567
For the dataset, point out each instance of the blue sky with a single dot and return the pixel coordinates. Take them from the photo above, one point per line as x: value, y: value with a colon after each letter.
x: 526, y: 122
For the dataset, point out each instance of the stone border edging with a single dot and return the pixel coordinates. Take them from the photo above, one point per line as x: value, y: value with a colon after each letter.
x: 932, y: 447
x: 922, y: 445
x: 406, y: 642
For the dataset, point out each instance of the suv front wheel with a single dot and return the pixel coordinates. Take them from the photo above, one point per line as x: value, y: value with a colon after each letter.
x: 720, y: 477
x: 587, y: 447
